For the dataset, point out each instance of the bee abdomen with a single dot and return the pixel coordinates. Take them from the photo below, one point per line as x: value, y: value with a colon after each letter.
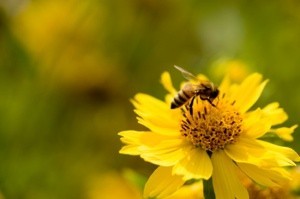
x: 180, y: 99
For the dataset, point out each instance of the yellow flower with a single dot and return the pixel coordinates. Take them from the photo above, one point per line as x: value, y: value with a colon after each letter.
x: 191, y: 191
x: 211, y: 141
x: 287, y: 191
x: 236, y: 69
x: 111, y: 185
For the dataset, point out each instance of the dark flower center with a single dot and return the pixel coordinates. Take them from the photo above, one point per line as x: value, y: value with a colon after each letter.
x: 209, y: 127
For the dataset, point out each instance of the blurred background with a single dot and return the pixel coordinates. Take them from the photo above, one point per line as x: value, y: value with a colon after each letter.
x: 68, y: 69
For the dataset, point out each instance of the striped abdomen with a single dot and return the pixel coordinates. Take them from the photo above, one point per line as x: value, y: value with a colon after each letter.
x: 186, y: 93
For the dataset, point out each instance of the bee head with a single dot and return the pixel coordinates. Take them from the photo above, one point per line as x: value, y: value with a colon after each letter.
x: 214, y: 94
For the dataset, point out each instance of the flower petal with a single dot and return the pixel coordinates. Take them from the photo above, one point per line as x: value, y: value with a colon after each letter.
x: 274, y: 114
x: 255, y: 124
x: 162, y: 183
x: 261, y: 153
x: 225, y: 84
x: 258, y: 122
x: 285, y: 133
x: 225, y: 180
x: 155, y: 148
x: 167, y: 153
x: 156, y: 114
x: 245, y: 150
x: 167, y: 83
x: 251, y: 118
x: 190, y: 191
x: 284, y: 156
x: 265, y: 176
x: 135, y: 139
x: 196, y: 164
x: 248, y: 92
x: 159, y: 127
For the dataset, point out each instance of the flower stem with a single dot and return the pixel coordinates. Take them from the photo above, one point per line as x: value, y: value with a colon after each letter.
x: 208, y: 189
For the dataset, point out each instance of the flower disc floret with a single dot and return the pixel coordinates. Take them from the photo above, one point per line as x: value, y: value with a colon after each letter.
x: 211, y: 127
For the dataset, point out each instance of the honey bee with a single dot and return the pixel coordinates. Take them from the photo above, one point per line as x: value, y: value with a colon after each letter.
x: 206, y: 90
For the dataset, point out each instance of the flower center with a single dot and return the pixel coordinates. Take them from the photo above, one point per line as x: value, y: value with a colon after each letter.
x: 209, y: 127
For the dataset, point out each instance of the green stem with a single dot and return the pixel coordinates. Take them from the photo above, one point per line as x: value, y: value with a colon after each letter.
x: 208, y: 189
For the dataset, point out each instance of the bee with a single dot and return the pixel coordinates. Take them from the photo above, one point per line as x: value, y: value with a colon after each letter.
x: 206, y: 90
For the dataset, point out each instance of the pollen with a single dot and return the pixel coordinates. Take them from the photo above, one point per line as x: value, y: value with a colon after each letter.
x: 211, y: 127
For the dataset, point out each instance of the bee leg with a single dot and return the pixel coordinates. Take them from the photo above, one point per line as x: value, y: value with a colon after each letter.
x: 207, y: 99
x: 191, y: 105
x: 211, y: 103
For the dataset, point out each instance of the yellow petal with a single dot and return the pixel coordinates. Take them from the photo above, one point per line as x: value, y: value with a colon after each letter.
x: 284, y: 156
x: 162, y: 183
x: 258, y: 129
x: 285, y: 133
x: 248, y: 92
x: 190, y: 191
x: 195, y: 164
x: 135, y: 139
x: 272, y: 106
x: 258, y: 122
x: 254, y: 125
x: 130, y: 150
x: 169, y: 98
x: 152, y: 147
x: 225, y: 181
x: 274, y: 114
x: 159, y: 127
x: 143, y: 137
x: 150, y: 103
x: 245, y: 150
x: 251, y: 118
x: 265, y: 176
x: 156, y: 114
x: 167, y: 83
x: 261, y: 153
x: 225, y: 84
x: 167, y: 153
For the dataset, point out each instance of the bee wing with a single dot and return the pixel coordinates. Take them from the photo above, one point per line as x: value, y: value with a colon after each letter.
x: 187, y: 75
